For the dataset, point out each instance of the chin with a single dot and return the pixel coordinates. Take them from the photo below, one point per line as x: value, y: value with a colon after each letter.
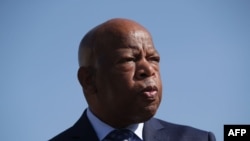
x: 145, y: 114
x: 144, y: 118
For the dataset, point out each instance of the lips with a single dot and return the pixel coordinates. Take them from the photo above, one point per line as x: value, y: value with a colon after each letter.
x: 149, y: 92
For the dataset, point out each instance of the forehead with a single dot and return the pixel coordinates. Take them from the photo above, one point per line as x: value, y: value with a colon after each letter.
x: 134, y: 39
x: 139, y: 39
x: 114, y: 36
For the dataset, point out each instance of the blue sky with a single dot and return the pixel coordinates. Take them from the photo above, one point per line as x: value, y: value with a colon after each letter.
x: 205, y: 63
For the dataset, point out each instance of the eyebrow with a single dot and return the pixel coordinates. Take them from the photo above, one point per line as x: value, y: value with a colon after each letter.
x: 151, y: 50
x: 136, y: 48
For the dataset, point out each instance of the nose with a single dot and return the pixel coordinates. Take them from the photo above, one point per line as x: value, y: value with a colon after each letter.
x: 144, y: 69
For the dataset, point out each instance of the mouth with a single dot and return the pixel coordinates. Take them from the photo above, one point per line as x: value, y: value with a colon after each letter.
x: 149, y: 92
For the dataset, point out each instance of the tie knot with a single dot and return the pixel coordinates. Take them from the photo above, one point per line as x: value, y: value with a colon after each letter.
x: 120, y: 135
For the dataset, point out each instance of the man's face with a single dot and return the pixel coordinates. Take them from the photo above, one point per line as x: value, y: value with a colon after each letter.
x: 128, y: 80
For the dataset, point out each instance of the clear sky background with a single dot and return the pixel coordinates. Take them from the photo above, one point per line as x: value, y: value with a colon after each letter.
x: 205, y: 61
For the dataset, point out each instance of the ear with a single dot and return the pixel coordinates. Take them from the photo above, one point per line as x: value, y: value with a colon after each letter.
x: 86, y: 77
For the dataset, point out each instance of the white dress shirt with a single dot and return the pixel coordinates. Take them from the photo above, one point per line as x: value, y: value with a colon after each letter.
x: 102, y: 129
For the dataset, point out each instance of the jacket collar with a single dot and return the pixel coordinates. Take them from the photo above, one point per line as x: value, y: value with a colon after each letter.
x: 154, y: 131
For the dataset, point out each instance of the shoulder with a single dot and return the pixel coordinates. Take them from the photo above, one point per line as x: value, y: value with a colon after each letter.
x: 184, y: 132
x: 81, y: 130
x: 178, y: 128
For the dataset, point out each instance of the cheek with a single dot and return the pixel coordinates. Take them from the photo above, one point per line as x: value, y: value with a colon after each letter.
x: 124, y: 68
x: 124, y: 73
x: 115, y: 79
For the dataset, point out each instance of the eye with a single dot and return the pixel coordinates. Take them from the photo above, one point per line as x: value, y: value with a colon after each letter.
x: 155, y: 58
x: 126, y: 60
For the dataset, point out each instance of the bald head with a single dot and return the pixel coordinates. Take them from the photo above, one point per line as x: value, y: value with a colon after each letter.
x: 119, y: 72
x: 110, y: 33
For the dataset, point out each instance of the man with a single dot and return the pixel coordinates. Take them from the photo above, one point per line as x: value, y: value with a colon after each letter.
x: 120, y: 76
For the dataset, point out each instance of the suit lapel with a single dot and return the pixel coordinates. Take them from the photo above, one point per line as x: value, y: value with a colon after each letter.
x: 82, y: 130
x: 153, y: 131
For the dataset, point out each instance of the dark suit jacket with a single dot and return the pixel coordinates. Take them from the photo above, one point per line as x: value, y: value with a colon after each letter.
x: 154, y: 130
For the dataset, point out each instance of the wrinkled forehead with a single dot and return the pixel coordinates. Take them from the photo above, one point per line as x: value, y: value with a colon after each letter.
x: 111, y: 35
x: 134, y: 41
x: 120, y: 37
x: 139, y: 38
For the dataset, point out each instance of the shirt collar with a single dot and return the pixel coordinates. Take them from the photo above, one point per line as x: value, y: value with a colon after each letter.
x: 102, y: 129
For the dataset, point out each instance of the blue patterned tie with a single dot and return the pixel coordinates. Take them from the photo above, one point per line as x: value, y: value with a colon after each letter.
x: 121, y: 135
